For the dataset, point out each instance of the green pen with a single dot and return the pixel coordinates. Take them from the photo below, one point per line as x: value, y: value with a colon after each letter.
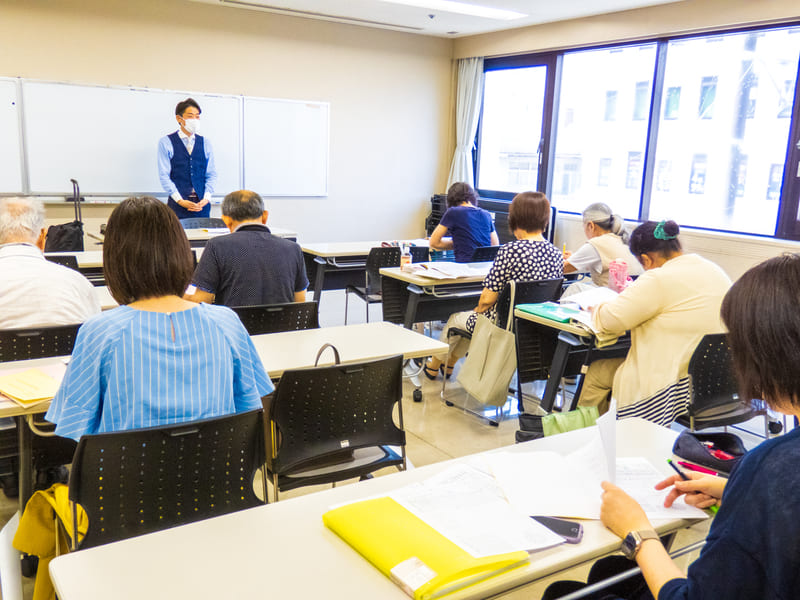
x: 714, y: 508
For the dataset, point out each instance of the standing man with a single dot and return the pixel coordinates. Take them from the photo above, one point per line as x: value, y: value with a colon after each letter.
x: 250, y: 266
x: 186, y: 164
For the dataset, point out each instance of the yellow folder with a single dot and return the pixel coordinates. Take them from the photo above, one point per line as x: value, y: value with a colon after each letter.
x: 28, y: 387
x: 412, y: 553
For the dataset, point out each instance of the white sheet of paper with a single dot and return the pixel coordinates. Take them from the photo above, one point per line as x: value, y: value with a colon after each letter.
x: 607, y: 426
x: 468, y: 507
x: 591, y: 297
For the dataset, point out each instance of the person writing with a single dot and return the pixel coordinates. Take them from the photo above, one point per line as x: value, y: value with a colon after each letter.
x: 186, y: 166
x: 468, y: 226
x: 753, y: 547
x: 157, y: 359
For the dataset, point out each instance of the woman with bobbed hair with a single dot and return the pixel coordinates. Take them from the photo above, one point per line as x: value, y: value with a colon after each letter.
x: 467, y: 225
x: 753, y: 547
x: 528, y: 257
x: 668, y: 310
x: 157, y: 359
x: 607, y: 240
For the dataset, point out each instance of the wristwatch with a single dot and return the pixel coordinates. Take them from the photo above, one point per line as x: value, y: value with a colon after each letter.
x: 633, y: 542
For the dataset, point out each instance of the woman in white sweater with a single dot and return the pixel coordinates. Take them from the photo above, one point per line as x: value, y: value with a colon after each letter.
x: 668, y: 310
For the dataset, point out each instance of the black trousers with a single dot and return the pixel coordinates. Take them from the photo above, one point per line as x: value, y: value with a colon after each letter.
x: 633, y: 588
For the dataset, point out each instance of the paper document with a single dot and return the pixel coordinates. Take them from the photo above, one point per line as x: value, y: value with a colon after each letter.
x: 447, y: 270
x: 468, y: 507
x: 28, y: 387
x: 591, y: 297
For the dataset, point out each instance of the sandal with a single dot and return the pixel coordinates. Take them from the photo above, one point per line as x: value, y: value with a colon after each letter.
x: 430, y: 372
x: 447, y: 374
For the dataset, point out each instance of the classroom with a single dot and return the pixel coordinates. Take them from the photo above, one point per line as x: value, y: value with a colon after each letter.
x: 392, y: 98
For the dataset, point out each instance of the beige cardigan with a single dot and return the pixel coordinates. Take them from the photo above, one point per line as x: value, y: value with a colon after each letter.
x: 610, y: 247
x: 667, y: 310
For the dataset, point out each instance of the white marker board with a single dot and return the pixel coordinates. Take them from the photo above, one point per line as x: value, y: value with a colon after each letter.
x: 286, y: 147
x: 107, y: 137
x: 10, y: 146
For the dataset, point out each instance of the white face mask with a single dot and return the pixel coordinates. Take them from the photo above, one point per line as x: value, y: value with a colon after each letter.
x: 191, y: 125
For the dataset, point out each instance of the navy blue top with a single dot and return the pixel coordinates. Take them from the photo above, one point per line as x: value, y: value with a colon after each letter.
x: 188, y: 173
x: 753, y: 548
x: 470, y: 227
x: 250, y: 267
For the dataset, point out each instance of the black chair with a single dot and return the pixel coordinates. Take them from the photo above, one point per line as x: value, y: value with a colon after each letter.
x: 377, y: 259
x: 65, y: 260
x: 37, y: 342
x: 202, y: 223
x: 144, y: 480
x: 525, y: 292
x: 484, y: 253
x: 714, y: 393
x: 419, y: 253
x: 272, y: 318
x: 328, y: 424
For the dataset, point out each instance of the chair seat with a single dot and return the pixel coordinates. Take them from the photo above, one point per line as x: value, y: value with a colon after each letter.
x: 361, y: 292
x: 721, y: 415
x: 364, y: 461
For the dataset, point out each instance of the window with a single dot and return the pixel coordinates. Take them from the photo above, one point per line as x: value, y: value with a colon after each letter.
x: 774, y: 182
x: 603, y: 172
x: 611, y: 106
x: 567, y: 175
x: 708, y: 92
x: 786, y: 100
x: 664, y: 175
x: 633, y: 179
x: 697, y: 180
x: 673, y: 103
x: 511, y: 129
x: 641, y: 100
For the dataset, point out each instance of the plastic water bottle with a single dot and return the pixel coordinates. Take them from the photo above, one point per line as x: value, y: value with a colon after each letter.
x: 618, y: 278
x: 405, y: 258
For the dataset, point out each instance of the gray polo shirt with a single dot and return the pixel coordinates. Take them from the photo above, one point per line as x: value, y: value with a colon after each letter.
x: 251, y: 266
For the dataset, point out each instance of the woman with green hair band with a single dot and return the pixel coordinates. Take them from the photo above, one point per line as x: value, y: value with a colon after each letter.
x: 668, y: 310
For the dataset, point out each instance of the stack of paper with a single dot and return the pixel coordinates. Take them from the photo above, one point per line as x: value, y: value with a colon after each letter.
x: 28, y: 388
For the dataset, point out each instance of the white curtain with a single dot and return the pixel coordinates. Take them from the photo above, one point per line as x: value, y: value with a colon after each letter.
x: 468, y: 106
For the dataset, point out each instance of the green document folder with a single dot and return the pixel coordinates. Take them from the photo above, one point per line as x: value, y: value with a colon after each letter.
x: 550, y: 310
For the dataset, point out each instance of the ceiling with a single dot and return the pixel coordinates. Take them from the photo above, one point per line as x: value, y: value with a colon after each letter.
x: 444, y: 18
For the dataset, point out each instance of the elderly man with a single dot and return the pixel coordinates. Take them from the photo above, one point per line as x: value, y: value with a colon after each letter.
x: 250, y: 266
x: 35, y: 292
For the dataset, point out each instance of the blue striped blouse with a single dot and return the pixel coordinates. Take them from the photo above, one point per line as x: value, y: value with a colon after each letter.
x: 129, y: 370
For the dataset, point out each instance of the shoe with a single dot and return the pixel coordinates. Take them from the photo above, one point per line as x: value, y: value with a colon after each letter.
x: 430, y: 372
x: 10, y: 485
x: 448, y: 374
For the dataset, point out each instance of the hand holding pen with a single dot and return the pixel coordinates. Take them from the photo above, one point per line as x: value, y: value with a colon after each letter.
x: 702, y: 491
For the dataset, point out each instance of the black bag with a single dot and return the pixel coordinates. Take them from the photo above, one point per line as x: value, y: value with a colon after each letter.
x: 67, y: 237
x: 718, y: 451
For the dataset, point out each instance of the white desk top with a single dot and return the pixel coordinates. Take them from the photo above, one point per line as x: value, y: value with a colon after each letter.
x: 207, y: 234
x: 86, y: 259
x: 105, y: 298
x: 334, y: 249
x: 297, y: 349
x: 481, y: 269
x: 283, y: 550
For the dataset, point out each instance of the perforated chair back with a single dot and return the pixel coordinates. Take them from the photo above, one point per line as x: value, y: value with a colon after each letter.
x: 377, y: 259
x: 485, y: 253
x: 202, y: 223
x: 65, y: 260
x: 273, y: 318
x: 419, y: 253
x: 144, y: 480
x: 317, y: 413
x: 527, y: 292
x: 713, y: 382
x: 38, y: 342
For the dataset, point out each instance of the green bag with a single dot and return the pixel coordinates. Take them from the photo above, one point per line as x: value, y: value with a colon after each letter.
x: 583, y: 416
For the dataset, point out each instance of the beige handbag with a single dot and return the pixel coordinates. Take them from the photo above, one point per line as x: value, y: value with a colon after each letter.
x: 491, y: 361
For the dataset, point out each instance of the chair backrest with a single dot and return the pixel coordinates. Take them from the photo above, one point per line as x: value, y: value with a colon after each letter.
x: 65, y: 260
x: 377, y: 259
x: 419, y: 253
x: 320, y: 411
x: 527, y: 292
x: 712, y: 379
x: 273, y: 318
x: 144, y: 480
x: 202, y: 223
x: 38, y: 342
x: 484, y: 253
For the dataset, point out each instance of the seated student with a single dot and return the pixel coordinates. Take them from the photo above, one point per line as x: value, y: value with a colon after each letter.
x: 529, y: 257
x: 469, y: 227
x: 607, y: 241
x: 35, y: 292
x: 753, y: 547
x: 157, y: 359
x: 668, y: 310
x: 251, y: 266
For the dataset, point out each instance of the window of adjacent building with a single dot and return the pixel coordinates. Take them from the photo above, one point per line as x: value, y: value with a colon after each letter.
x: 611, y: 106
x: 604, y: 172
x: 673, y: 103
x: 708, y: 93
x: 641, y: 100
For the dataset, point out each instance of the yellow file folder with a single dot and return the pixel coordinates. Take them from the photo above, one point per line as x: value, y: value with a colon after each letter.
x: 28, y: 387
x: 409, y: 551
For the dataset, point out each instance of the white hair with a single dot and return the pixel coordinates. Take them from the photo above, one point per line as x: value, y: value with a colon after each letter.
x: 21, y: 219
x: 602, y: 215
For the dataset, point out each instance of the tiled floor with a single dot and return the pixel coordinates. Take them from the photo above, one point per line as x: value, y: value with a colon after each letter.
x: 437, y: 432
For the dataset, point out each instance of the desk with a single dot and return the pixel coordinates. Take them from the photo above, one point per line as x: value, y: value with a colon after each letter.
x: 283, y: 550
x: 409, y: 298
x: 198, y: 238
x: 104, y: 297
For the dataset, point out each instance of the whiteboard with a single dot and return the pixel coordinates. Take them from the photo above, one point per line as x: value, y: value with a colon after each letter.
x: 286, y: 147
x: 107, y: 138
x: 10, y: 148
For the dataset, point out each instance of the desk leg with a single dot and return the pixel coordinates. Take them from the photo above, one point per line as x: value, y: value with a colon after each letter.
x: 319, y: 283
x: 556, y: 373
x: 25, y: 438
x: 411, y: 310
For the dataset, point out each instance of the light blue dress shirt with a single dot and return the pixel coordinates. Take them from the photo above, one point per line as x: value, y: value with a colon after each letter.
x: 165, y: 153
x: 128, y: 370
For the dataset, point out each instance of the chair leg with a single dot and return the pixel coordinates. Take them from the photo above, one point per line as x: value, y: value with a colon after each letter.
x: 346, y: 298
x: 274, y: 487
x: 366, y: 309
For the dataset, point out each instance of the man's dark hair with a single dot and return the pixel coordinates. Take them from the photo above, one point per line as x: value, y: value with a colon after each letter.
x: 145, y: 251
x: 649, y: 237
x: 461, y: 192
x: 181, y: 107
x: 763, y: 321
x: 243, y: 205
x: 529, y: 211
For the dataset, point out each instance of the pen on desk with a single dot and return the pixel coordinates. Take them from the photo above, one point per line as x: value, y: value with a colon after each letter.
x: 714, y: 508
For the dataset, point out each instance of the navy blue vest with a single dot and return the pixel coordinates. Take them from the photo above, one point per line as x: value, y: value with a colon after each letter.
x: 188, y: 171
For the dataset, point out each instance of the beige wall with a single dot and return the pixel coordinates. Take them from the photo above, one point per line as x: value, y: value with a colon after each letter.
x: 668, y: 19
x: 390, y: 93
